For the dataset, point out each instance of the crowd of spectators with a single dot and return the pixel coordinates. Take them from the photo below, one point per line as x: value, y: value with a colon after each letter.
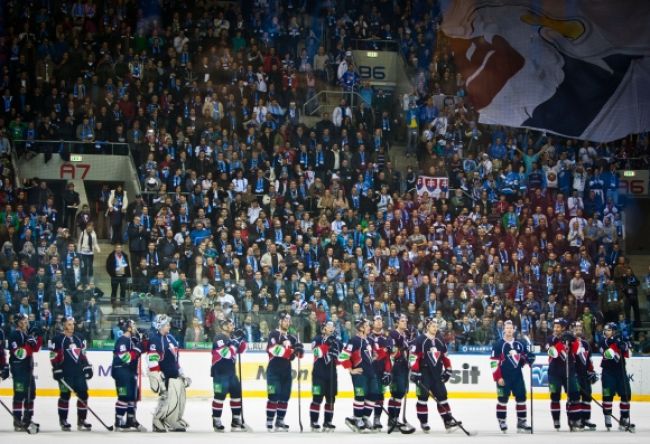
x: 246, y: 211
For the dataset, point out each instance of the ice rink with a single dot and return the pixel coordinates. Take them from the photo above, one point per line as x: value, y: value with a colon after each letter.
x: 477, y: 416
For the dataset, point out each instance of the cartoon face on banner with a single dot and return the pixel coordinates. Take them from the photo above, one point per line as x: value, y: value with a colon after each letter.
x: 521, y: 59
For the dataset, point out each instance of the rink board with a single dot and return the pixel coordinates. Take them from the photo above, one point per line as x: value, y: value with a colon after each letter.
x: 472, y: 377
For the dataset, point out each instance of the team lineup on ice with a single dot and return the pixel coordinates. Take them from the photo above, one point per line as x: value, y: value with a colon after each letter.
x: 380, y: 364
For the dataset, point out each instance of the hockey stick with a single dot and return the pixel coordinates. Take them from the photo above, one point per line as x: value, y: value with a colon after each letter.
x: 595, y: 401
x: 299, y: 395
x: 30, y: 428
x: 241, y: 388
x: 109, y: 428
x: 626, y: 382
x: 458, y: 423
x: 529, y: 345
x: 398, y: 424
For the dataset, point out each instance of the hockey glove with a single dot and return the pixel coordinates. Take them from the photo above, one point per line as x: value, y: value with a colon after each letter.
x: 57, y: 374
x: 239, y: 334
x: 593, y: 377
x: 299, y: 350
x: 568, y: 337
x: 186, y: 381
x: 530, y: 357
x: 387, y: 378
x: 4, y: 373
x: 36, y: 330
x: 88, y: 371
x: 416, y: 377
x: 446, y: 375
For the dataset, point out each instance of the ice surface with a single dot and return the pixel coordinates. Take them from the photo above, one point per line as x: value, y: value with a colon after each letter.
x: 477, y: 415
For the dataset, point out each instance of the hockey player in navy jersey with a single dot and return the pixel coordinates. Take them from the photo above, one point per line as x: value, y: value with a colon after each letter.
x: 124, y: 370
x: 615, y: 380
x: 326, y: 348
x: 166, y: 378
x: 70, y: 366
x: 382, y: 347
x: 4, y: 366
x: 227, y: 345
x: 356, y: 356
x: 400, y: 372
x: 586, y: 376
x: 282, y: 348
x: 562, y: 374
x: 430, y: 371
x: 507, y: 360
x: 23, y: 343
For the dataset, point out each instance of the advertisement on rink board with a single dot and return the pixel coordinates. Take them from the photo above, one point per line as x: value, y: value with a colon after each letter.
x: 472, y: 377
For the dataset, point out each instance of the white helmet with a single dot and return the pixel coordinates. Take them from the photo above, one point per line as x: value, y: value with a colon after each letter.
x: 160, y: 321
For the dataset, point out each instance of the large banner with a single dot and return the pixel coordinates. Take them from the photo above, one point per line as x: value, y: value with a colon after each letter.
x: 471, y: 378
x: 578, y: 68
x: 434, y: 187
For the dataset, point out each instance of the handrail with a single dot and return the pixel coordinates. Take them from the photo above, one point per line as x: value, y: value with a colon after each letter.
x: 375, y: 45
x: 80, y: 147
x: 319, y: 94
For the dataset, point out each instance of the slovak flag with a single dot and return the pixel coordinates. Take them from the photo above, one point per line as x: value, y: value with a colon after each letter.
x: 580, y: 68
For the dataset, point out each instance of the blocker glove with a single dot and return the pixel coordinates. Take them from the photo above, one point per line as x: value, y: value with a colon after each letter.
x: 387, y: 378
x: 446, y: 375
x: 416, y: 377
x: 88, y: 371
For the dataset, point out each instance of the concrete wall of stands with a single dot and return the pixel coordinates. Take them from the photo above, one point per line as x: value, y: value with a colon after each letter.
x: 472, y: 376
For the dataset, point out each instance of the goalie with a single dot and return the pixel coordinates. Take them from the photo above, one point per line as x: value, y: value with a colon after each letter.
x: 166, y: 378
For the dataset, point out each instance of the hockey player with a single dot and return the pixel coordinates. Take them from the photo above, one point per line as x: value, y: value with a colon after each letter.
x: 381, y: 351
x: 166, y: 378
x: 586, y: 376
x: 282, y: 348
x: 4, y: 366
x: 356, y: 356
x: 326, y: 348
x: 400, y: 372
x: 225, y: 348
x: 71, y: 369
x: 507, y: 359
x: 614, y: 376
x: 561, y: 374
x: 124, y: 370
x: 430, y: 371
x: 23, y: 343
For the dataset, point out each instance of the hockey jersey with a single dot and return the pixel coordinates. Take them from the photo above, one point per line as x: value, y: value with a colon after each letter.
x: 323, y: 362
x: 126, y: 354
x: 558, y: 352
x: 281, y: 349
x: 22, y: 347
x: 68, y: 353
x: 401, y: 347
x: 358, y: 353
x: 163, y: 355
x: 507, y: 359
x: 429, y: 355
x: 224, y: 354
x: 382, y: 347
x: 582, y: 351
x: 614, y: 351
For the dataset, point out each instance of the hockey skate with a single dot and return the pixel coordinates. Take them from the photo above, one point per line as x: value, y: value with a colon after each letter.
x: 503, y: 425
x: 556, y: 424
x: 523, y: 427
x: 451, y: 425
x: 626, y: 426
x: 269, y: 425
x: 376, y: 425
x: 588, y: 426
x: 180, y: 426
x: 315, y: 427
x: 29, y: 427
x: 65, y: 425
x: 608, y: 422
x: 328, y: 427
x: 134, y: 425
x: 426, y: 428
x: 404, y: 428
x: 280, y: 426
x: 83, y: 426
x: 575, y: 426
x: 217, y: 425
x: 237, y: 425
